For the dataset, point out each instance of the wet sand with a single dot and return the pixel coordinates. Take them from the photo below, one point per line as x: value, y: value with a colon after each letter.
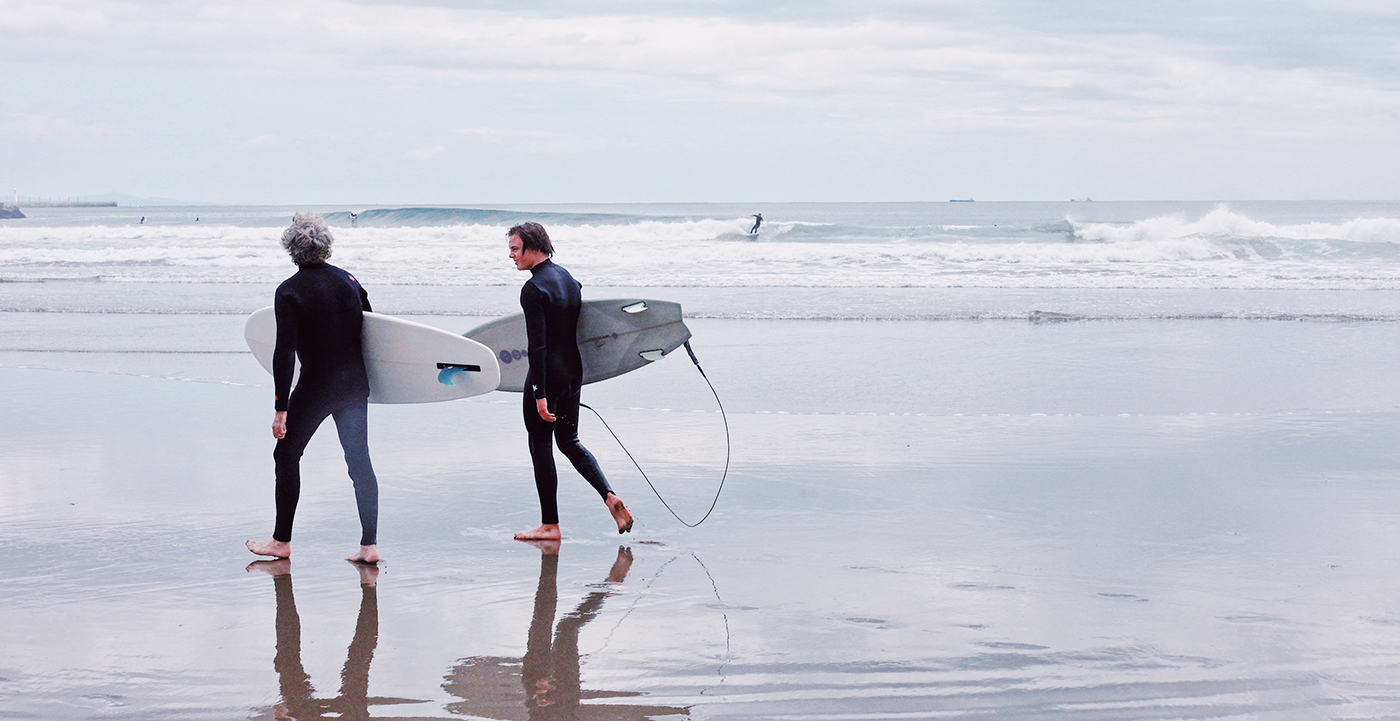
x: 1112, y: 528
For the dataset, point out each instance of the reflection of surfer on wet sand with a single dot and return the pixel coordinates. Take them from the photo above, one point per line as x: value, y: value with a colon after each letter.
x: 549, y: 684
x: 298, y: 695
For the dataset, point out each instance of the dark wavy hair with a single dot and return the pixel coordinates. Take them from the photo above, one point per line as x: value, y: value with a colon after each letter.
x: 307, y: 239
x: 532, y: 237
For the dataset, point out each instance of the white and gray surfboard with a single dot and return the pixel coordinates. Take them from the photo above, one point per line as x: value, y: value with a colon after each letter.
x: 406, y: 362
x: 614, y: 336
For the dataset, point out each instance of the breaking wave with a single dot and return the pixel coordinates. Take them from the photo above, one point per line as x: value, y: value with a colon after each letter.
x: 462, y: 247
x: 1223, y: 225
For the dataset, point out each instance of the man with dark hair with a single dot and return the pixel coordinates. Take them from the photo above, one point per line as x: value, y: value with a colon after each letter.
x: 551, y: 300
x: 320, y: 315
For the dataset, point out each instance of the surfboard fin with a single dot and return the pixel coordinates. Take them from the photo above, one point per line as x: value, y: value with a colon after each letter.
x: 447, y: 372
x: 637, y: 307
x: 652, y: 355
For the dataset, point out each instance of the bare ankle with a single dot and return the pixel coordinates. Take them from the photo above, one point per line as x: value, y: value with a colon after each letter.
x: 366, y: 554
x: 270, y: 547
x: 542, y: 532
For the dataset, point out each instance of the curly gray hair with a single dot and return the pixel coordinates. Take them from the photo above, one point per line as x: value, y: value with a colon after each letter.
x: 307, y: 239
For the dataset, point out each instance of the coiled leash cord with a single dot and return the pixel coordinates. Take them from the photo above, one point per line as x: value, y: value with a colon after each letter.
x: 722, y: 415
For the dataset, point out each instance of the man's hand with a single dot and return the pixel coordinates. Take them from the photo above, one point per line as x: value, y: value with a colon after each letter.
x: 279, y: 425
x: 543, y: 405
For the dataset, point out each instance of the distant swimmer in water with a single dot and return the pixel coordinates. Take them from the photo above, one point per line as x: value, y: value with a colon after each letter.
x: 757, y: 221
x: 320, y: 314
x: 551, y: 301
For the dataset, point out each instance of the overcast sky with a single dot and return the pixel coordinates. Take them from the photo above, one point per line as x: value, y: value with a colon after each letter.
x: 339, y: 101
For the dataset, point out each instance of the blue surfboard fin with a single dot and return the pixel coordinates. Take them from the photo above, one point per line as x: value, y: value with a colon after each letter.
x: 447, y: 375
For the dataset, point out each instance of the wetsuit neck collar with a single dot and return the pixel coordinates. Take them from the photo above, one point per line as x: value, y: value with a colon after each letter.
x: 536, y: 268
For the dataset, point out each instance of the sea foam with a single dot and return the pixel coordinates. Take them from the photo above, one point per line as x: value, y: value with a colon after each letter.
x: 1222, y: 223
x: 1219, y: 249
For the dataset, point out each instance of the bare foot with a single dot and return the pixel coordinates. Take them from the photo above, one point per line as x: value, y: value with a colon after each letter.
x: 542, y: 532
x: 279, y: 567
x: 270, y: 547
x: 619, y: 513
x: 548, y: 548
x: 369, y: 573
x: 621, y: 566
x: 367, y: 554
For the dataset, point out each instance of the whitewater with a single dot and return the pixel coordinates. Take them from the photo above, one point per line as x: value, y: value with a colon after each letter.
x: 1302, y: 246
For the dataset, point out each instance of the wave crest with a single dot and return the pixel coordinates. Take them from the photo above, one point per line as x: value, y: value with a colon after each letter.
x: 1223, y: 224
x: 1219, y: 249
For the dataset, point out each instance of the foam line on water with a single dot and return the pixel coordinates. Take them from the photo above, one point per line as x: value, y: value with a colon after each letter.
x: 1222, y: 249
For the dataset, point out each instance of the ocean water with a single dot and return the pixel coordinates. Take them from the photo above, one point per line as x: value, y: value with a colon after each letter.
x: 1079, y: 306
x: 987, y: 460
x: 1325, y: 246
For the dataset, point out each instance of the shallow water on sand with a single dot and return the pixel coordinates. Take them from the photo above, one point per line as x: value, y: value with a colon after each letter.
x: 1104, y: 519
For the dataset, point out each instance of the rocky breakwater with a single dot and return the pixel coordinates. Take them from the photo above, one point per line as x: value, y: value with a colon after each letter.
x: 9, y: 211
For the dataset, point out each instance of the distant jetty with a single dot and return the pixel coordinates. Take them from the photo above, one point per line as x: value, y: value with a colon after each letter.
x: 9, y: 211
x: 961, y: 200
x: 65, y: 204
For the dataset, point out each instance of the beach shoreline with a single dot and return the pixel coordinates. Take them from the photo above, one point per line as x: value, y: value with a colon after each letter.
x: 891, y: 562
x: 992, y: 461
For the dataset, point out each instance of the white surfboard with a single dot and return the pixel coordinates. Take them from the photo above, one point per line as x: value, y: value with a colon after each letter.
x: 407, y: 362
x: 614, y: 337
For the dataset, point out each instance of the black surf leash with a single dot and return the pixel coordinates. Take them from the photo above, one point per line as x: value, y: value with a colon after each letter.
x: 722, y: 478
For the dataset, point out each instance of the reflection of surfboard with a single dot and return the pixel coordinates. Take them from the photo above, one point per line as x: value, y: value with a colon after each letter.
x: 407, y: 362
x: 614, y: 337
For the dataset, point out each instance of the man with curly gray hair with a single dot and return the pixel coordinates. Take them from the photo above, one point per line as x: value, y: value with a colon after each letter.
x: 307, y: 239
x: 320, y: 313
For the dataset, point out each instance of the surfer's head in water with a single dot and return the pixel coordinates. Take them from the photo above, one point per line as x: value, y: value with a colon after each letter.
x: 529, y: 245
x: 308, y: 239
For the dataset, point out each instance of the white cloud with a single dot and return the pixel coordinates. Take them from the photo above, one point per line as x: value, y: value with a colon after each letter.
x: 426, y: 153
x: 507, y: 133
x: 53, y: 126
x: 937, y: 71
x: 436, y: 85
x: 262, y: 141
x: 530, y: 141
x: 51, y: 15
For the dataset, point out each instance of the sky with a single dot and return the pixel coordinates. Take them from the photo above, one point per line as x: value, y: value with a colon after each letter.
x: 345, y: 101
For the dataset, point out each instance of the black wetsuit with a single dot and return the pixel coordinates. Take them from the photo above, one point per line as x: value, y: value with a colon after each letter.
x: 319, y: 318
x: 757, y: 221
x: 551, y: 301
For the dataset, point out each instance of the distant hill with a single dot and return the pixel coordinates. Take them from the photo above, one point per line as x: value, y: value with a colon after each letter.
x: 124, y: 199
